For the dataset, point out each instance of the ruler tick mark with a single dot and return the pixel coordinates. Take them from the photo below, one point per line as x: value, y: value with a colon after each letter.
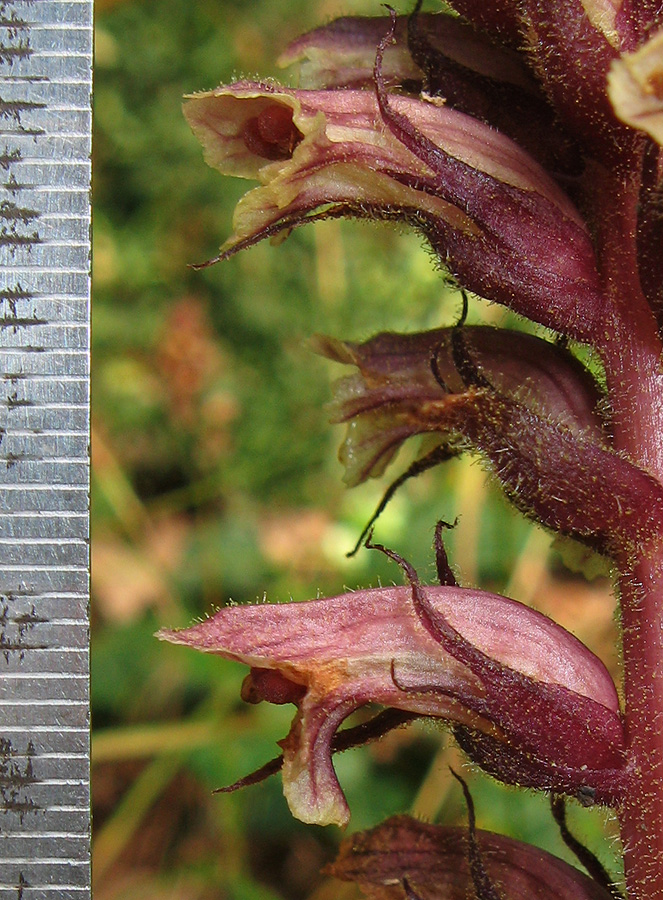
x: 12, y: 109
x: 22, y: 624
x: 14, y: 780
x: 12, y: 212
x: 21, y: 885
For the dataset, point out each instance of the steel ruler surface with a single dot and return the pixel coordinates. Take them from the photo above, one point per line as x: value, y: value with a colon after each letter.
x: 45, y: 137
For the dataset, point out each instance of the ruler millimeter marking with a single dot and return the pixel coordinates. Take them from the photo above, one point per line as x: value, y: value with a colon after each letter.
x: 45, y: 142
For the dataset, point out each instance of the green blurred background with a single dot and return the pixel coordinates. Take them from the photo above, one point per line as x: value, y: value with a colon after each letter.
x: 216, y: 478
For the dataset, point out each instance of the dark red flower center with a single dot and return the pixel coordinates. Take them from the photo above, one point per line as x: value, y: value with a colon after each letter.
x: 272, y: 134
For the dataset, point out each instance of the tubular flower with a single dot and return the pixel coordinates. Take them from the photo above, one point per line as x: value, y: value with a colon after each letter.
x: 443, y: 57
x: 527, y: 405
x: 488, y: 663
x: 485, y: 133
x: 500, y: 221
x: 402, y: 378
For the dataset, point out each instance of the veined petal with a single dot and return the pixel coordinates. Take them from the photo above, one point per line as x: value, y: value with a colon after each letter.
x: 434, y: 861
x: 338, y: 154
x: 374, y: 647
x: 350, y: 123
x: 444, y: 57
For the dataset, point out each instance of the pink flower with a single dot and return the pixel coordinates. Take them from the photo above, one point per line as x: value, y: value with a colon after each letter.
x: 489, y: 664
x: 498, y: 219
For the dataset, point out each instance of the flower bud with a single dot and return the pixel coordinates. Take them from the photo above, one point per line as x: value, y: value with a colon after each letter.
x: 433, y: 861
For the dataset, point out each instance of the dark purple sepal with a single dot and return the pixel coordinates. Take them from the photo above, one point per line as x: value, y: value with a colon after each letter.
x: 571, y: 56
x: 434, y: 861
x: 542, y: 721
x: 526, y: 404
x: 571, y: 303
x: 530, y: 249
x: 568, y: 482
x: 588, y: 786
x: 396, y: 367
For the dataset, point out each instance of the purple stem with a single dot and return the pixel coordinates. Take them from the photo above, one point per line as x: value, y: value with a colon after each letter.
x: 632, y: 353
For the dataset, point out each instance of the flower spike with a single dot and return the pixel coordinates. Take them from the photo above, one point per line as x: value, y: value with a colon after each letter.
x: 522, y: 139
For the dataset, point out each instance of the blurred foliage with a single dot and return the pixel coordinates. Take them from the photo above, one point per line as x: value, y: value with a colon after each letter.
x: 215, y: 477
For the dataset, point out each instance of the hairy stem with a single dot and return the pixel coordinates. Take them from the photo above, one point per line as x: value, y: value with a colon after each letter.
x: 632, y: 357
x: 641, y: 817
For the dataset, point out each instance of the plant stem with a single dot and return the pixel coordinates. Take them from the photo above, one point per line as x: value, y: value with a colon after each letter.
x: 632, y: 357
x: 641, y: 818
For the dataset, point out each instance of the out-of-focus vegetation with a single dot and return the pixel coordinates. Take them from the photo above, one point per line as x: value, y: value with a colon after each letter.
x: 215, y: 477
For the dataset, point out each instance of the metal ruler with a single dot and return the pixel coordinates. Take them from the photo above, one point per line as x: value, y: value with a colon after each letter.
x: 45, y: 138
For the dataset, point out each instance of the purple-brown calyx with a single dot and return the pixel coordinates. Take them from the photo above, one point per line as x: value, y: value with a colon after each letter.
x: 405, y: 381
x: 477, y: 659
